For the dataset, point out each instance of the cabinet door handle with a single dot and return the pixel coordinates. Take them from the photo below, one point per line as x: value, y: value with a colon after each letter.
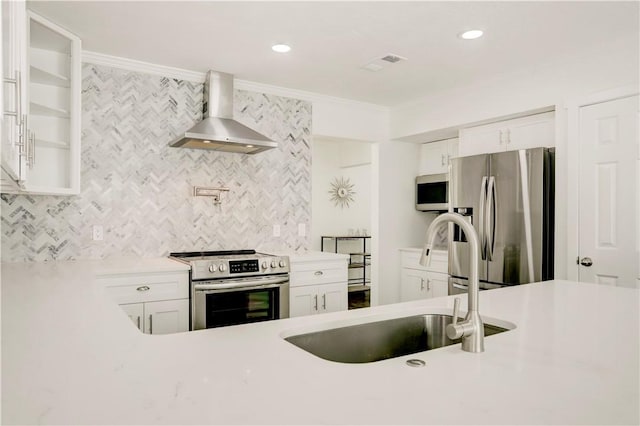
x: 428, y: 284
x: 421, y: 283
x: 324, y: 301
x: 23, y: 142
x: 442, y: 160
x: 17, y: 112
x: 143, y: 288
x: 315, y: 306
x: 31, y: 159
x: 500, y: 140
x: 138, y: 322
x: 508, y: 136
x: 150, y: 323
x: 318, y: 273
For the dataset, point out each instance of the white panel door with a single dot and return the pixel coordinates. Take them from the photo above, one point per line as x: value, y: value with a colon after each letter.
x: 532, y: 132
x: 333, y: 297
x: 437, y: 284
x: 135, y: 312
x: 303, y: 301
x: 481, y: 140
x: 608, y: 192
x: 434, y: 158
x: 167, y: 316
x: 13, y: 95
x: 413, y: 285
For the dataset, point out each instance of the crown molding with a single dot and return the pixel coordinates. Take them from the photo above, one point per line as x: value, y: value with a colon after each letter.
x: 140, y: 66
x: 199, y: 77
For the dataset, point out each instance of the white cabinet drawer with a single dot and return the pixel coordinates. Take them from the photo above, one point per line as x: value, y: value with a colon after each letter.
x: 319, y: 275
x: 146, y: 287
x: 439, y: 261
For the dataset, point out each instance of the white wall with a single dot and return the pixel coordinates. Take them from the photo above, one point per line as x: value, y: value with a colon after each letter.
x: 349, y: 119
x: 399, y: 224
x: 594, y: 69
x: 334, y: 159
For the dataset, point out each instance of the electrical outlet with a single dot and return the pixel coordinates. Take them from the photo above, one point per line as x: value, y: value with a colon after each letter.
x: 97, y: 233
x: 276, y: 230
x: 302, y: 229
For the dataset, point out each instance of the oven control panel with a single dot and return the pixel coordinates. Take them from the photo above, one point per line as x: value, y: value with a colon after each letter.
x: 212, y: 268
x: 242, y: 266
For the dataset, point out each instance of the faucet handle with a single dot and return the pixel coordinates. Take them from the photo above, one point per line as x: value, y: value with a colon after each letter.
x: 456, y: 310
x: 453, y: 330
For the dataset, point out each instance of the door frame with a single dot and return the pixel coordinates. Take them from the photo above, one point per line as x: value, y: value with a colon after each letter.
x: 573, y: 169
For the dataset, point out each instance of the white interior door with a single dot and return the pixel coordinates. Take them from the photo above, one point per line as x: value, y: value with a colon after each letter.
x: 608, y: 250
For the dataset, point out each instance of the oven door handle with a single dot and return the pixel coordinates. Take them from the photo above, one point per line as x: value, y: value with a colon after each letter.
x: 272, y: 282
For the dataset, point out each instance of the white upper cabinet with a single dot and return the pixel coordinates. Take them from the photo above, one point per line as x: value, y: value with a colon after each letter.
x: 14, y: 89
x: 521, y: 133
x: 54, y: 108
x: 435, y: 156
x: 49, y: 130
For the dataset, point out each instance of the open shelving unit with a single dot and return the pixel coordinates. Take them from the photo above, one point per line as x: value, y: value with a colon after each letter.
x: 54, y: 76
x: 358, y: 249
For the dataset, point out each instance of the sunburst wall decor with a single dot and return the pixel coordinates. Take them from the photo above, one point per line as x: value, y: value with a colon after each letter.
x: 342, y: 192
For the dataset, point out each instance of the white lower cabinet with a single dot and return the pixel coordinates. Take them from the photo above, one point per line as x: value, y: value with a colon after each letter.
x: 318, y: 286
x: 156, y: 303
x: 419, y: 284
x: 163, y: 317
x: 309, y: 300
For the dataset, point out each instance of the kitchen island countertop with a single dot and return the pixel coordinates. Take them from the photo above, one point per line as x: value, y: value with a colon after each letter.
x: 70, y: 355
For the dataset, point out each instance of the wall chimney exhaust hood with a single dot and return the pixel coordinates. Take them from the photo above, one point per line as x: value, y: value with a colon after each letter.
x: 218, y: 131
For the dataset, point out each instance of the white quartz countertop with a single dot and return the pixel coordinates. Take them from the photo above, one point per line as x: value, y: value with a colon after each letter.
x: 71, y: 356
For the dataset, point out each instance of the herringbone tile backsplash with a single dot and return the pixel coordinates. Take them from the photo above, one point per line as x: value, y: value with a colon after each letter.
x: 140, y: 189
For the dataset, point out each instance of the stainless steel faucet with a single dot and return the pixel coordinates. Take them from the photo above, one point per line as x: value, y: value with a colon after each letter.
x: 471, y: 330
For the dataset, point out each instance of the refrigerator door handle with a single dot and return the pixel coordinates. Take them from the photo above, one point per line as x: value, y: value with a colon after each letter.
x: 491, y: 219
x: 481, y: 218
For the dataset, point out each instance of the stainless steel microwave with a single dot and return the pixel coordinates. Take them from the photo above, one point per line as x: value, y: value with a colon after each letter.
x: 432, y: 192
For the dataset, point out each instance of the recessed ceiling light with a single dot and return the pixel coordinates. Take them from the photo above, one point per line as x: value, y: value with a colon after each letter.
x: 206, y: 141
x: 281, y: 48
x: 471, y: 34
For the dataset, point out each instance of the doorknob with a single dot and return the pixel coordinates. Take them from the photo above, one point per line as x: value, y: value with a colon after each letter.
x: 586, y: 261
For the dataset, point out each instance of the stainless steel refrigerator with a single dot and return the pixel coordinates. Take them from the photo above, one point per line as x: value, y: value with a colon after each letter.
x: 509, y: 199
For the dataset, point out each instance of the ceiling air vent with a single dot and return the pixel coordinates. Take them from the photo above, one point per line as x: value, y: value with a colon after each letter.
x: 380, y: 63
x: 393, y: 58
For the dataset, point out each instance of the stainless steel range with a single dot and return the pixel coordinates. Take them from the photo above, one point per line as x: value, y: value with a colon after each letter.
x: 236, y: 287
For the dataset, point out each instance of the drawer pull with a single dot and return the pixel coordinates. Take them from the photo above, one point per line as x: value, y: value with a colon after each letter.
x: 318, y: 273
x: 143, y: 288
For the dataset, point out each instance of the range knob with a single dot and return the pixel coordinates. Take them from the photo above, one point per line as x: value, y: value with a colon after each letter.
x: 222, y: 267
x: 264, y: 265
x: 282, y: 264
x: 273, y: 264
x: 212, y: 268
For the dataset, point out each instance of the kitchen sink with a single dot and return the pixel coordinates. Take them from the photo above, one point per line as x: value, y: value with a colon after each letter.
x: 375, y: 341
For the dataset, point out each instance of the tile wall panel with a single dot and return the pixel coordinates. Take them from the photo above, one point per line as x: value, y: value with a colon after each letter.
x: 140, y: 190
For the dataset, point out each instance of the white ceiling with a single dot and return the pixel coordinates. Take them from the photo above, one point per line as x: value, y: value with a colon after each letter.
x: 332, y: 40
